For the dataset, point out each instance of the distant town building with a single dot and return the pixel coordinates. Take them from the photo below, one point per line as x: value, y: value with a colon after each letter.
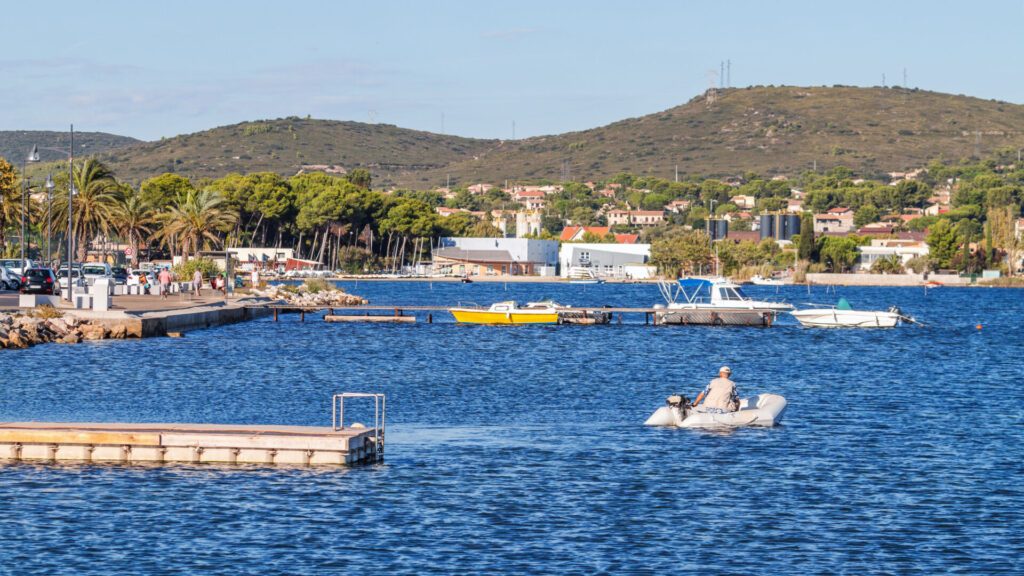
x: 744, y: 201
x: 607, y: 260
x: 577, y: 234
x: 480, y: 188
x: 530, y: 199
x: 889, y: 247
x: 835, y: 220
x: 528, y: 224
x: 677, y: 206
x: 635, y: 217
x: 495, y: 256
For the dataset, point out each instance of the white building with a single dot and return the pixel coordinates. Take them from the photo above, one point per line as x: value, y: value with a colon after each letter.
x: 607, y: 260
x: 495, y: 256
x: 889, y: 247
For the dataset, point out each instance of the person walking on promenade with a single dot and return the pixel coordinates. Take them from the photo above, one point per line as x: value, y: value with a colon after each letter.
x: 197, y: 282
x: 165, y: 282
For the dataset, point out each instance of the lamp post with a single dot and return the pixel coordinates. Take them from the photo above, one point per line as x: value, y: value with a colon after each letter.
x: 71, y: 193
x: 49, y: 209
x: 33, y: 156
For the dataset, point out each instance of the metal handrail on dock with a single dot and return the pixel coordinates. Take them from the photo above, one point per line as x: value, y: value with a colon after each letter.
x: 380, y: 409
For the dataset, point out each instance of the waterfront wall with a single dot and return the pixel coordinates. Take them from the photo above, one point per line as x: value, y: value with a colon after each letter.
x: 885, y: 279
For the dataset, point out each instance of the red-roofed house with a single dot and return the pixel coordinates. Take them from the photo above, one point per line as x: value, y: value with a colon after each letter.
x: 576, y: 233
x: 677, y: 206
x: 835, y: 220
x: 530, y: 199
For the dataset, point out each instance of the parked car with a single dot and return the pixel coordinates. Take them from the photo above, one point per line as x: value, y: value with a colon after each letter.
x: 14, y: 265
x: 120, y: 275
x: 62, y: 277
x: 39, y: 281
x: 135, y: 277
x: 9, y: 280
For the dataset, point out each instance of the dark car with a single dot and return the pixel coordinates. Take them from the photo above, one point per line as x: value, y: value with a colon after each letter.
x: 39, y: 281
x: 120, y: 275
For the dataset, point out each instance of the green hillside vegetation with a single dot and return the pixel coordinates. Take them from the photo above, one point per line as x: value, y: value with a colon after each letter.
x: 15, y: 144
x: 769, y: 130
x: 285, y: 145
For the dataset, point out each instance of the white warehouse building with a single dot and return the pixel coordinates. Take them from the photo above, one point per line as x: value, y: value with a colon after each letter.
x: 606, y: 260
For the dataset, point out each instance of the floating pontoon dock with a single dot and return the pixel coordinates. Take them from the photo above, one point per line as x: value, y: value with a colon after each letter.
x: 199, y: 443
x: 579, y: 314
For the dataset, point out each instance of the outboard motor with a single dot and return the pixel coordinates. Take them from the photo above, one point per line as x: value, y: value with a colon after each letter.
x: 903, y: 317
x: 676, y: 409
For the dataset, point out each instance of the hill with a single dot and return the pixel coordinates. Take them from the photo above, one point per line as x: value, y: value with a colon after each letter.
x: 769, y: 130
x: 286, y: 145
x: 16, y: 144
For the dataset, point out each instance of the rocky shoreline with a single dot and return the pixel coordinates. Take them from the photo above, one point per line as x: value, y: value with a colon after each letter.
x: 302, y: 296
x: 24, y: 330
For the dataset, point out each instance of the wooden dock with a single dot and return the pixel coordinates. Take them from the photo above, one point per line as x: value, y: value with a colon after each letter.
x: 585, y: 314
x: 188, y: 443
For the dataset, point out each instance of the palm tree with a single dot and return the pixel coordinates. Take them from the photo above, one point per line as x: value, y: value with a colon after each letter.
x: 133, y: 214
x: 197, y: 217
x: 94, y: 204
x: 10, y: 200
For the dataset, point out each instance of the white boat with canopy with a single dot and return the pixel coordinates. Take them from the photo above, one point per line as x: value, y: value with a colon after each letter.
x: 716, y: 302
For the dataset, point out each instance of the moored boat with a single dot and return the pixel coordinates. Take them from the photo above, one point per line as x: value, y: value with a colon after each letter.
x: 715, y: 302
x: 844, y: 316
x: 759, y: 280
x: 507, y: 312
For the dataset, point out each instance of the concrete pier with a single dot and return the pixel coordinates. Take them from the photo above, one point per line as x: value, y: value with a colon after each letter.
x: 189, y: 443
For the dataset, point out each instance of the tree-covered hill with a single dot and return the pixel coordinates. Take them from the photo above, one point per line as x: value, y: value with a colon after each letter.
x: 16, y: 144
x: 769, y: 130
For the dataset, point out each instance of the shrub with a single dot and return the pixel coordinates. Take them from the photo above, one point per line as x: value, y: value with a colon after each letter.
x: 47, y: 312
x: 185, y: 270
x: 316, y: 285
x: 920, y: 264
x: 888, y: 265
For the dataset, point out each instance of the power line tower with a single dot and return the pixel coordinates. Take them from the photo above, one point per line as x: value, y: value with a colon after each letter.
x: 721, y: 74
x: 728, y: 73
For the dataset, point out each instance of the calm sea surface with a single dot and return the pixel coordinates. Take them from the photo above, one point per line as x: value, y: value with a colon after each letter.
x: 521, y: 449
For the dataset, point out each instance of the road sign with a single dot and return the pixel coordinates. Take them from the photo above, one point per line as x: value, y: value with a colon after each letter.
x: 129, y: 251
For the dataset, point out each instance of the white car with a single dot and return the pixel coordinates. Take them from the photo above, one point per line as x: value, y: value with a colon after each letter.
x: 93, y: 271
x: 14, y: 265
x: 8, y: 280
x: 76, y: 276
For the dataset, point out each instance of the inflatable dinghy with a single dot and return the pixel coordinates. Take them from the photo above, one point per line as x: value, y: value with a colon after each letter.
x: 760, y: 410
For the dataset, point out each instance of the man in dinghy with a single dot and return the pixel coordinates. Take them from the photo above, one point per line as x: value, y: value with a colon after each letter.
x: 720, y: 395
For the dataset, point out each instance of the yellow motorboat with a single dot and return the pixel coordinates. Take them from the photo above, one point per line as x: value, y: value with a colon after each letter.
x: 506, y: 313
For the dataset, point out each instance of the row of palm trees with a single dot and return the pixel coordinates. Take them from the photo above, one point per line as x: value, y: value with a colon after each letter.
x: 104, y: 207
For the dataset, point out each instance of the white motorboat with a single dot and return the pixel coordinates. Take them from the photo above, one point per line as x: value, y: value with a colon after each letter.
x: 759, y: 280
x: 759, y: 410
x: 844, y: 316
x: 716, y: 302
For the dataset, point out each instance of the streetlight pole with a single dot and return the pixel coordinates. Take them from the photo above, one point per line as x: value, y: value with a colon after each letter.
x: 49, y: 221
x: 71, y: 194
x: 33, y: 156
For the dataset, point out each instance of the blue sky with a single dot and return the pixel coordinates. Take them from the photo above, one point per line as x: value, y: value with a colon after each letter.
x: 152, y: 69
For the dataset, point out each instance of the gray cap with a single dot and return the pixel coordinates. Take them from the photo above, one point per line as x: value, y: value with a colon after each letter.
x: 725, y: 369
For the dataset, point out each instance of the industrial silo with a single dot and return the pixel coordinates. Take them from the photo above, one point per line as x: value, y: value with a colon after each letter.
x: 767, y: 226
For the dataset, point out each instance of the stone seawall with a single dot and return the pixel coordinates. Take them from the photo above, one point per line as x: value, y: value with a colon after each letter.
x: 885, y: 279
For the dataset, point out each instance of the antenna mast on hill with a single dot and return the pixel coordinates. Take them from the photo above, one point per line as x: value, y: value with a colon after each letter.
x: 721, y: 75
x: 905, y: 78
x: 728, y: 73
x: 883, y: 79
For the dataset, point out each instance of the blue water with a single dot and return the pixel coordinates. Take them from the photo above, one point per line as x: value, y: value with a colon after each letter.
x: 520, y: 449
